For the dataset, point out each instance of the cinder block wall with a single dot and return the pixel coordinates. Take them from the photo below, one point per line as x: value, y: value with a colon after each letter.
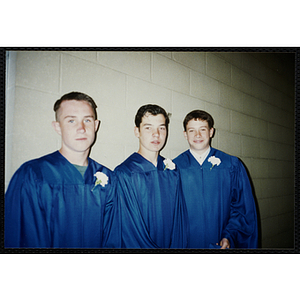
x: 251, y: 101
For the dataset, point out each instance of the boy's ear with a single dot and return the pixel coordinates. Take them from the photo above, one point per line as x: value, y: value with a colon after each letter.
x: 136, y: 131
x: 97, y: 124
x: 211, y: 132
x: 185, y: 135
x: 56, y: 127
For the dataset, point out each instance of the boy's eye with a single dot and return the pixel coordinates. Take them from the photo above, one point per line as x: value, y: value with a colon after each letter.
x: 71, y: 121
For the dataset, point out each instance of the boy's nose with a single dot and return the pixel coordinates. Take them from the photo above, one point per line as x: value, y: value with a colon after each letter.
x: 156, y: 132
x: 81, y: 127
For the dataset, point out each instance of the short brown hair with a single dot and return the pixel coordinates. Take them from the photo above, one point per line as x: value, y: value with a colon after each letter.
x: 75, y: 96
x: 152, y: 109
x: 198, y: 115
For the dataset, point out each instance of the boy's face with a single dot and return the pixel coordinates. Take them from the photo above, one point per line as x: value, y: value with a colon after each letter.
x: 152, y: 133
x: 198, y: 135
x: 77, y: 126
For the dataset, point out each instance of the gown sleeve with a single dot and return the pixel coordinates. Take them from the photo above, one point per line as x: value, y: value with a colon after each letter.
x: 133, y: 229
x: 241, y: 229
x: 25, y: 224
x: 180, y: 233
x: 112, y: 222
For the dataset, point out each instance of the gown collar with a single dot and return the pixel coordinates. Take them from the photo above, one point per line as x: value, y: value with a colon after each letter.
x: 200, y: 158
x: 205, y: 163
x: 67, y: 165
x: 145, y: 164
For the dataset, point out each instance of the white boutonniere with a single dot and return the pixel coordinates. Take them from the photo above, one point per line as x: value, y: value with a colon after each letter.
x: 214, y: 161
x: 169, y: 164
x: 101, y: 179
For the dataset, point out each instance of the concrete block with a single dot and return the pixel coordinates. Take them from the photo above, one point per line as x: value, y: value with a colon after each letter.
x: 271, y: 113
x: 270, y: 227
x: 278, y: 99
x: 38, y: 70
x: 218, y: 68
x: 85, y: 55
x: 260, y: 168
x: 287, y: 103
x: 286, y: 222
x: 257, y: 183
x: 282, y: 84
x: 251, y: 64
x: 193, y: 60
x: 105, y: 86
x: 285, y: 240
x: 140, y: 92
x: 234, y: 58
x: 259, y: 128
x: 220, y: 115
x: 288, y: 136
x: 166, y: 152
x: 229, y: 142
x: 122, y: 134
x: 231, y: 98
x: 167, y: 54
x: 264, y: 208
x: 280, y: 134
x: 131, y: 149
x: 288, y: 169
x: 277, y: 206
x: 284, y: 152
x: 251, y: 106
x: 175, y: 153
x: 286, y: 187
x: 270, y: 187
x: 33, y: 117
x: 133, y: 63
x: 247, y: 162
x: 240, y: 123
x: 176, y: 139
x: 275, y: 168
x: 170, y: 74
x: 108, y: 154
x: 183, y: 104
x: 257, y: 68
x: 205, y: 88
x: 289, y: 201
x: 250, y: 147
x: 267, y: 149
x: 241, y: 80
x: 259, y: 89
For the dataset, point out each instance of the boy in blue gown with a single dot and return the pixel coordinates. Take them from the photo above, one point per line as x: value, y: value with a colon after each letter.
x: 217, y: 191
x: 64, y: 199
x: 153, y: 211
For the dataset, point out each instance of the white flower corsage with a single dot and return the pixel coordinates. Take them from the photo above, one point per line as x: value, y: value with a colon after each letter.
x: 169, y: 164
x: 214, y: 161
x: 101, y: 179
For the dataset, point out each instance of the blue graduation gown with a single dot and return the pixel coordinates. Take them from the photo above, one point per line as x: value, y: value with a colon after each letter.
x: 152, y: 210
x: 49, y: 204
x: 219, y: 201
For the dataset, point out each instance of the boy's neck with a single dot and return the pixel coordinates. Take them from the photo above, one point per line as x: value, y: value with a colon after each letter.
x: 79, y: 159
x: 200, y: 152
x: 150, y: 156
